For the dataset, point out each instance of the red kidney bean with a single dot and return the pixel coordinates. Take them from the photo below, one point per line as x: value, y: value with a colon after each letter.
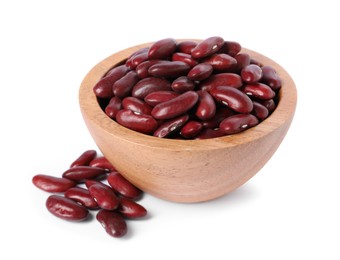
x: 157, y: 97
x: 233, y: 98
x: 130, y: 209
x: 243, y: 60
x: 113, y: 223
x: 145, y: 49
x: 221, y: 79
x: 200, y: 72
x: 176, y: 106
x: 145, y: 124
x: 231, y: 48
x: 186, y: 46
x: 169, y: 69
x: 221, y: 114
x: 170, y: 126
x: 259, y: 90
x: 103, y: 88
x: 102, y: 162
x: 65, y: 208
x: 142, y: 68
x: 104, y: 196
x: 251, y: 73
x: 82, y: 173
x: 130, y: 60
x: 182, y: 84
x: 136, y: 105
x: 81, y: 196
x: 191, y: 129
x: 271, y: 78
x: 206, y: 108
x: 238, y: 123
x: 207, y: 47
x: 138, y: 59
x: 149, y: 85
x: 89, y: 183
x: 51, y: 183
x: 84, y: 159
x: 221, y: 61
x: 209, y: 133
x: 184, y: 57
x: 269, y: 104
x: 123, y: 87
x: 113, y: 107
x: 162, y: 49
x: 260, y: 111
x: 123, y: 186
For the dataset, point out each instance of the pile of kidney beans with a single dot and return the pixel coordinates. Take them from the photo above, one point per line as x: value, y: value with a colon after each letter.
x: 189, y: 90
x: 114, y: 201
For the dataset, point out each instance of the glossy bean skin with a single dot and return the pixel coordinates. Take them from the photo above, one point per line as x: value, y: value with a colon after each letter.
x: 260, y: 111
x: 113, y: 107
x: 251, y: 73
x: 233, y: 98
x: 221, y: 62
x: 182, y: 84
x: 82, y: 173
x: 142, y: 68
x: 81, y: 196
x: 89, y: 183
x: 172, y: 69
x: 200, y: 72
x: 186, y: 46
x: 206, y: 108
x: 259, y: 90
x: 138, y: 59
x: 123, y: 186
x: 162, y: 49
x: 207, y: 47
x: 52, y: 184
x: 123, y: 87
x: 269, y: 104
x: 271, y: 78
x: 176, y: 106
x: 221, y: 79
x: 84, y: 159
x: 149, y: 85
x: 238, y: 123
x: 103, y: 88
x: 231, y: 48
x: 208, y: 133
x: 113, y: 223
x: 65, y: 208
x: 104, y: 196
x: 243, y: 60
x: 191, y: 129
x: 145, y: 124
x: 102, y: 162
x: 136, y: 105
x: 130, y: 209
x: 170, y: 126
x: 221, y: 114
x: 184, y: 57
x: 157, y: 97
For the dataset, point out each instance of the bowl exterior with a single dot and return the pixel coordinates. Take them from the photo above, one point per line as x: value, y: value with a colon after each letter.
x: 190, y: 170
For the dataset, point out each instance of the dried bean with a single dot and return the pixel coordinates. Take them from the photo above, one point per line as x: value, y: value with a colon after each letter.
x: 176, y: 106
x: 238, y: 123
x: 259, y: 90
x: 233, y: 98
x: 186, y: 46
x: 271, y: 78
x: 269, y: 104
x: 81, y: 196
x: 243, y: 60
x: 149, y: 85
x: 221, y: 114
x: 112, y: 222
x: 186, y: 58
x: 207, y: 47
x: 162, y: 49
x: 123, y: 87
x: 136, y: 105
x: 51, y: 183
x: 182, y: 84
x: 65, y: 208
x: 157, y: 97
x: 142, y: 68
x: 145, y: 124
x: 221, y: 62
x: 221, y: 79
x: 231, y: 48
x: 170, y: 126
x: 102, y: 162
x: 200, y: 72
x: 191, y: 129
x: 113, y: 107
x: 209, y: 133
x: 123, y: 186
x: 169, y: 69
x: 260, y: 111
x: 130, y: 209
x: 82, y: 173
x: 84, y: 159
x: 104, y: 196
x: 251, y: 73
x: 206, y: 108
x: 138, y: 59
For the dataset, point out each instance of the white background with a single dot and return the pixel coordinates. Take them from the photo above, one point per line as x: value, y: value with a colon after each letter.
x: 289, y: 210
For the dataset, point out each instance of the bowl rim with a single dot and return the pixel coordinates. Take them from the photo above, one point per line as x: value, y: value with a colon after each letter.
x: 90, y: 106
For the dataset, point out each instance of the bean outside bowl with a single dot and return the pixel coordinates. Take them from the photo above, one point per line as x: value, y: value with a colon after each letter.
x: 186, y: 170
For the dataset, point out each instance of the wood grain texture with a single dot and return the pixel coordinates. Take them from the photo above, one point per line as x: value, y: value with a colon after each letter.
x: 186, y: 170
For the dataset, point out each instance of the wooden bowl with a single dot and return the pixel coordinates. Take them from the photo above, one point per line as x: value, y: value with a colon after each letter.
x: 186, y: 170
